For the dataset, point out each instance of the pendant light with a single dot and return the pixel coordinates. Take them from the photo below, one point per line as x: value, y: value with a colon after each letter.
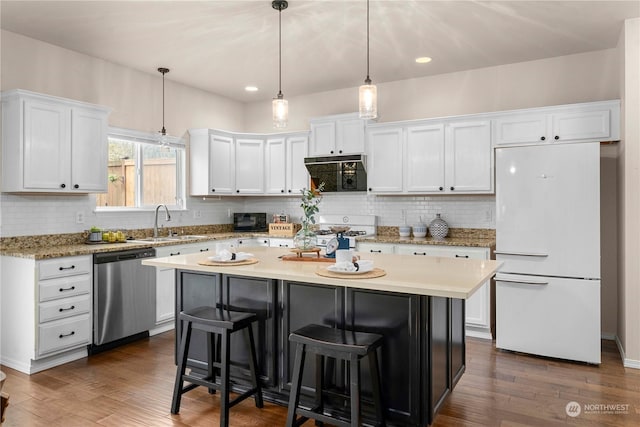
x: 163, y: 132
x: 368, y: 93
x: 280, y: 105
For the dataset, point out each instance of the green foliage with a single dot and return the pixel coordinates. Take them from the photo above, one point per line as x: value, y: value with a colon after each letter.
x: 310, y: 201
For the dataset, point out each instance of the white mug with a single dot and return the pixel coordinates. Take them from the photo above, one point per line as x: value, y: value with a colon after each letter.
x: 345, y: 255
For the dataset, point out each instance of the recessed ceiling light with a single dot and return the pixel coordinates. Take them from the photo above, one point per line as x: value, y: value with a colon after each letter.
x: 423, y: 59
x: 251, y: 88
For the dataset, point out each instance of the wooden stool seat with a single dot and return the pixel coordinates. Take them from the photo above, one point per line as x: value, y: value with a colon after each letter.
x: 222, y: 323
x: 351, y: 346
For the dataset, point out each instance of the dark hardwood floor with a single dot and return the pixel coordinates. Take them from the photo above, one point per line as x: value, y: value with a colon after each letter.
x: 132, y: 386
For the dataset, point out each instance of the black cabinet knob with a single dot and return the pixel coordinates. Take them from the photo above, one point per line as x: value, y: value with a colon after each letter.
x: 452, y: 188
x: 63, y: 185
x: 76, y: 186
x: 331, y: 152
x: 237, y: 191
x: 289, y: 191
x: 556, y: 137
x: 340, y: 151
x: 282, y: 191
x: 213, y: 190
x: 370, y: 189
x: 441, y: 188
x: 542, y: 138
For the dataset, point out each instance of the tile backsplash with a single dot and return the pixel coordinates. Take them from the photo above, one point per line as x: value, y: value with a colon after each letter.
x: 23, y: 215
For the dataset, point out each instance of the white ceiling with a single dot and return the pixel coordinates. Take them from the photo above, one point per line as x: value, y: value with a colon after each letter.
x: 222, y: 46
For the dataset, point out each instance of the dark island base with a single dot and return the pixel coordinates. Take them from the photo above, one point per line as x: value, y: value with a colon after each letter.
x: 421, y: 360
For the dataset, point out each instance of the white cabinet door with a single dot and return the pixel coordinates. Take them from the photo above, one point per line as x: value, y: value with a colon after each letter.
x: 469, y: 159
x: 276, y: 164
x: 297, y: 174
x: 323, y: 138
x: 249, y: 166
x: 89, y: 150
x: 221, y: 165
x: 350, y: 136
x: 280, y: 243
x: 520, y: 129
x: 47, y: 148
x: 424, y: 159
x: 585, y: 125
x: 384, y: 160
x: 375, y: 248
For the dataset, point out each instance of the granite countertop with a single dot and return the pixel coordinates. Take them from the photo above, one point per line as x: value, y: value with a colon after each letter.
x: 477, y: 242
x: 435, y: 276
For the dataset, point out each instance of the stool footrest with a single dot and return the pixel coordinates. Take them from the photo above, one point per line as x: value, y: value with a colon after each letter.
x: 306, y: 413
x: 243, y: 396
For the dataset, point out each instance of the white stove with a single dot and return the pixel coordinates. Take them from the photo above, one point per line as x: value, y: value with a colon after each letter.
x: 359, y: 226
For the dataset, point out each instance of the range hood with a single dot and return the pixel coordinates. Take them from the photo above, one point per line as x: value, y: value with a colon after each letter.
x: 339, y: 173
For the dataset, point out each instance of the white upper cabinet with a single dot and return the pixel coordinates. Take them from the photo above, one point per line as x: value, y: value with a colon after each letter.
x: 249, y: 158
x: 384, y: 159
x: 297, y: 174
x: 212, y: 163
x: 275, y: 162
x: 54, y: 145
x: 337, y: 135
x: 430, y: 158
x: 593, y: 121
x: 424, y: 159
x: 468, y: 157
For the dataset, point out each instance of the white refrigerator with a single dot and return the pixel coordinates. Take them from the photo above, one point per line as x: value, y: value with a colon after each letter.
x: 548, y: 237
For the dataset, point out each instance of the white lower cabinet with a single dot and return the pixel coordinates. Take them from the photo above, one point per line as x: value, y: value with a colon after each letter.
x: 477, y: 307
x: 46, y: 311
x: 280, y: 243
x: 247, y: 242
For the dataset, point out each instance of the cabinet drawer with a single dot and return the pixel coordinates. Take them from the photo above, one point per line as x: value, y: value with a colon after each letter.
x: 61, y: 267
x: 65, y: 307
x: 65, y: 333
x: 65, y: 287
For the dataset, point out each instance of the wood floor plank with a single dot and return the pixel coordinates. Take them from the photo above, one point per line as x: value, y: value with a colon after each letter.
x: 132, y: 386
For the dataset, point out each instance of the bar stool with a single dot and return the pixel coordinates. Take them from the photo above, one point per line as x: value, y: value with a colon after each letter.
x: 222, y: 323
x: 340, y: 344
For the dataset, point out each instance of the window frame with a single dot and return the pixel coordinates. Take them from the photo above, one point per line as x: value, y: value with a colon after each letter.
x: 140, y: 138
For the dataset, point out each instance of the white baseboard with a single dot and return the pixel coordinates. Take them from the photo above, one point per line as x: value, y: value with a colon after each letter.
x: 33, y: 366
x: 608, y: 336
x: 481, y: 333
x: 162, y: 328
x: 627, y: 363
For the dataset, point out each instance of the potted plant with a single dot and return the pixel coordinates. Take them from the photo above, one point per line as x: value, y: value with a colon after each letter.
x: 306, y: 237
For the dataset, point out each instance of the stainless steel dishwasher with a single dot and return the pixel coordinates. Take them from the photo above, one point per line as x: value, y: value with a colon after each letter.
x: 124, y: 297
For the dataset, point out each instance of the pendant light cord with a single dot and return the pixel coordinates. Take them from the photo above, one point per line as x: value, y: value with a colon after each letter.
x: 280, y: 52
x: 368, y: 80
x: 163, y: 71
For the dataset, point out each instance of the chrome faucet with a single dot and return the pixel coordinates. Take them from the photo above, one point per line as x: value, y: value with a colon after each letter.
x: 155, y: 224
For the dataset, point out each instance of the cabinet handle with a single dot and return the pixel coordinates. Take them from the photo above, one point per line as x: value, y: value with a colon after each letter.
x: 441, y: 188
x: 331, y: 152
x: 204, y: 250
x: 282, y: 191
x: 67, y: 289
x: 237, y: 191
x: 340, y: 151
x: 67, y: 268
x: 370, y: 189
x: 63, y: 185
x: 67, y: 309
x: 67, y: 335
x: 76, y: 186
x: 556, y: 137
x: 462, y: 256
x: 420, y: 253
x: 284, y: 246
x: 174, y: 254
x: 453, y: 188
x: 289, y: 191
x: 542, y: 138
x: 373, y: 251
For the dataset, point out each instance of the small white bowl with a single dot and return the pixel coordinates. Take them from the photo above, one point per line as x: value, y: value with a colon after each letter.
x: 404, y: 230
x: 419, y: 231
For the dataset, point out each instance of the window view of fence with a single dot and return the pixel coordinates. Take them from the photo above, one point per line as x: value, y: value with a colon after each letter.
x: 141, y: 174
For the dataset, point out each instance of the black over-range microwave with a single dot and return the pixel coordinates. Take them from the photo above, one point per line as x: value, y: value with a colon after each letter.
x: 250, y: 221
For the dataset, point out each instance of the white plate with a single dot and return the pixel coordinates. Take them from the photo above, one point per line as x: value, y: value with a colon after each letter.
x: 228, y: 261
x: 333, y: 269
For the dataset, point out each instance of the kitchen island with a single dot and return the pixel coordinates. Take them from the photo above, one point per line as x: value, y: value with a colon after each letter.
x: 418, y: 306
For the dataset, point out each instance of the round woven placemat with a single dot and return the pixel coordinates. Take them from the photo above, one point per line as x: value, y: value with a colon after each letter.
x: 376, y: 272
x: 228, y: 264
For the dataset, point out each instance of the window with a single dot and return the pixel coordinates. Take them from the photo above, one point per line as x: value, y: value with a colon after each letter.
x: 142, y: 173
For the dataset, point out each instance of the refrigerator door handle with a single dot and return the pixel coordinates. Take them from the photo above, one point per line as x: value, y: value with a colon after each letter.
x: 522, y: 254
x: 523, y: 282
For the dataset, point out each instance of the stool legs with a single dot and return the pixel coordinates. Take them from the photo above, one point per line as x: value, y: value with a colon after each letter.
x: 253, y: 366
x: 296, y: 383
x: 375, y: 385
x: 354, y: 386
x: 224, y: 379
x: 182, y: 365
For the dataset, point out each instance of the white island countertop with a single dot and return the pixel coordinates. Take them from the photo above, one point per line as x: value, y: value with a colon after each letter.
x: 409, y: 274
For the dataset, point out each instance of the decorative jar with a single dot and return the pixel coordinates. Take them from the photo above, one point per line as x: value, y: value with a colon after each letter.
x: 305, y: 238
x: 438, y: 228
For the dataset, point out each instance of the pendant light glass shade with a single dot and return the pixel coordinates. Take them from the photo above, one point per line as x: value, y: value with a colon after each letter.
x: 280, y: 112
x: 368, y: 101
x: 280, y: 105
x: 368, y: 93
